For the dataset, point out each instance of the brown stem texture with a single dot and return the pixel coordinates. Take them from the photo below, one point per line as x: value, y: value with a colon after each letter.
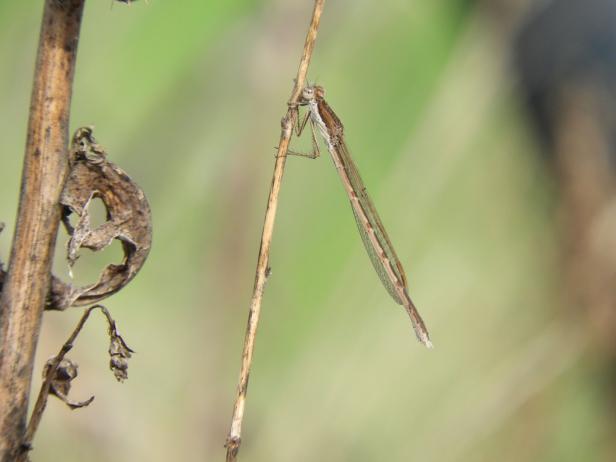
x: 45, y: 170
x: 234, y: 437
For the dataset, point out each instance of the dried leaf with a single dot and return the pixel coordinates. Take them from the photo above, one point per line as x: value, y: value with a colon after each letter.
x: 119, y: 353
x: 60, y: 381
x: 128, y: 220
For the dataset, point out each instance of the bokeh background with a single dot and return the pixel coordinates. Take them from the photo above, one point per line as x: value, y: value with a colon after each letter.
x: 508, y: 261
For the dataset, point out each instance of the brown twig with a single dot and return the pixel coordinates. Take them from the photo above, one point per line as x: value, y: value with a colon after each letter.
x: 41, y: 401
x: 52, y: 367
x: 234, y: 438
x: 44, y: 172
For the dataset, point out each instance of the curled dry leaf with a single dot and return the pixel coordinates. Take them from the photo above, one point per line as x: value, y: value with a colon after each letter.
x: 128, y: 220
x: 60, y: 381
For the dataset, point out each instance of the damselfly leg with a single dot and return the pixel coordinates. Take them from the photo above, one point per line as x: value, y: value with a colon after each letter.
x: 299, y: 129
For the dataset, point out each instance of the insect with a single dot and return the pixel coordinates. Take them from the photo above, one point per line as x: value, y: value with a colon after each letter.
x: 371, y: 229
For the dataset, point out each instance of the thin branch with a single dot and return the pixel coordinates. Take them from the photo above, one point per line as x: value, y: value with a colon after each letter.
x: 53, y: 365
x: 41, y: 401
x: 234, y: 437
x: 45, y: 169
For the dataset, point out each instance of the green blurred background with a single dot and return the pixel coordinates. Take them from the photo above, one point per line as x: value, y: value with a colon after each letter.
x: 187, y: 98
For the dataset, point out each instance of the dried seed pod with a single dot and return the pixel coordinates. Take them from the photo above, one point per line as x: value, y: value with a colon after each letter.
x: 60, y: 382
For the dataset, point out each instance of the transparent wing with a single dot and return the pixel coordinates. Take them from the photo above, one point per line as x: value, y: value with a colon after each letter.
x: 369, y: 211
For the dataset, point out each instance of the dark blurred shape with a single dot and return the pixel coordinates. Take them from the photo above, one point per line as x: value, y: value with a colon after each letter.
x: 565, y: 53
x: 563, y: 45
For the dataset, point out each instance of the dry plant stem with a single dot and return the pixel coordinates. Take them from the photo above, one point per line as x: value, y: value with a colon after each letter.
x: 234, y: 437
x: 43, y: 395
x: 44, y: 171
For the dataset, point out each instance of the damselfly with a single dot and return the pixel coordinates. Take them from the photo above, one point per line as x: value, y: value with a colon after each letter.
x: 371, y: 229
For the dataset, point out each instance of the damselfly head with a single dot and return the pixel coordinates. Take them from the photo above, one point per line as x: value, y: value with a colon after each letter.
x: 307, y: 95
x: 312, y: 93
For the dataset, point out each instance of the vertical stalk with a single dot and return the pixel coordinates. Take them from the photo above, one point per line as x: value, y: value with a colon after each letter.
x: 234, y: 438
x: 44, y: 172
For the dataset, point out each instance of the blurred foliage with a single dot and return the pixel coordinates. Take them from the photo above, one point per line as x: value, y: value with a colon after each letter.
x: 187, y: 98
